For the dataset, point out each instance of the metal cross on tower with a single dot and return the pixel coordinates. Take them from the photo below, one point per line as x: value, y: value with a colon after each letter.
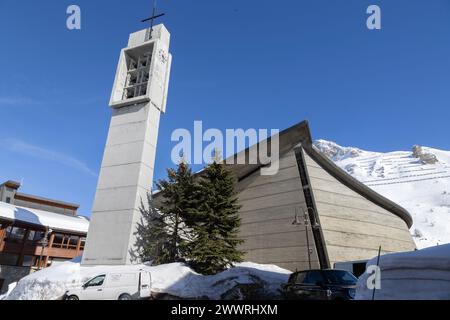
x: 152, y: 19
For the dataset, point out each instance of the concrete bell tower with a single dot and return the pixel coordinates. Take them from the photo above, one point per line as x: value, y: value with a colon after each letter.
x: 138, y: 98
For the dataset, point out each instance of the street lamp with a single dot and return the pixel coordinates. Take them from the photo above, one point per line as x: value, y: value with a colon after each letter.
x: 315, y: 225
x: 43, y: 243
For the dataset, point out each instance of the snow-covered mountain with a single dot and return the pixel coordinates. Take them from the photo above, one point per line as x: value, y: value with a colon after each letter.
x: 418, y: 180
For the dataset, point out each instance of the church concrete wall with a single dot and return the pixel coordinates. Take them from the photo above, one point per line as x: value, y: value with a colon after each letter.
x: 268, y: 210
x: 353, y: 226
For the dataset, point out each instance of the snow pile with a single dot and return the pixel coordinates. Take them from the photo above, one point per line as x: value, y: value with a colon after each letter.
x: 418, y: 180
x: 179, y: 280
x: 48, y: 284
x: 416, y: 275
x: 175, y: 279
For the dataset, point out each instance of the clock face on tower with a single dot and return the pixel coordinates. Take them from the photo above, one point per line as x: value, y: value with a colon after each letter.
x: 162, y: 56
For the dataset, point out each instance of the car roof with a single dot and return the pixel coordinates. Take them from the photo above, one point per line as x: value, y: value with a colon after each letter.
x: 322, y: 270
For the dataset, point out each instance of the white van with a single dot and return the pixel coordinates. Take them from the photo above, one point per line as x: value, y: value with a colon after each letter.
x: 114, y: 286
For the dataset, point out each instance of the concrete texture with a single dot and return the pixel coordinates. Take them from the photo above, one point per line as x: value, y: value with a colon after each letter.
x: 353, y: 226
x: 269, y: 205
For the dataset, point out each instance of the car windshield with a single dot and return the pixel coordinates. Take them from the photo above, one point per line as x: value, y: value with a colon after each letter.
x: 297, y: 277
x: 341, y: 277
x: 307, y: 277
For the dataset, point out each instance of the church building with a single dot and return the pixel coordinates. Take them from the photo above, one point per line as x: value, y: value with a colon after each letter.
x: 312, y: 214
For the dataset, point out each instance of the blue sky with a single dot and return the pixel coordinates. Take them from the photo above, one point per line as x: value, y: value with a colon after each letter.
x: 237, y: 64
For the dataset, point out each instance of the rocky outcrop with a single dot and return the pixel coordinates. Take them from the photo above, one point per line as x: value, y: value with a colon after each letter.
x: 336, y: 152
x: 425, y: 157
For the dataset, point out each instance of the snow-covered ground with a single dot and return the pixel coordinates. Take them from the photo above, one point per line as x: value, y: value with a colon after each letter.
x: 175, y: 279
x: 422, y: 274
x: 418, y: 180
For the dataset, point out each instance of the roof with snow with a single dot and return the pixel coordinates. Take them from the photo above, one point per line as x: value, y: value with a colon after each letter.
x: 43, y: 218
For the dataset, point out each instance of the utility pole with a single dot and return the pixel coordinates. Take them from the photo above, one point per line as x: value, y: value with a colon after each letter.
x: 378, y: 265
x: 305, y: 215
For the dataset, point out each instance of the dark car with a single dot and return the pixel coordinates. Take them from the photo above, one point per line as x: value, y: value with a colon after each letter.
x: 320, y: 285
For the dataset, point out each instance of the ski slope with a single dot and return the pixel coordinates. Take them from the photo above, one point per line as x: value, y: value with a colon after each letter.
x: 418, y: 180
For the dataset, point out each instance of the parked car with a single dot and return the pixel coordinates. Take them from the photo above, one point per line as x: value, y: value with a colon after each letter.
x: 328, y: 284
x: 114, y: 286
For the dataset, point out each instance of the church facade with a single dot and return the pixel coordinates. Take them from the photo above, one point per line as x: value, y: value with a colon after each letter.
x: 312, y: 214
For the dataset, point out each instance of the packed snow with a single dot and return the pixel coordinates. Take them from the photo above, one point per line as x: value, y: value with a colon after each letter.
x: 418, y: 180
x: 175, y: 279
x: 416, y: 275
x: 43, y: 218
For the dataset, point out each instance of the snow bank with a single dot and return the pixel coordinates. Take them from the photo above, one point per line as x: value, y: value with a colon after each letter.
x: 179, y: 280
x: 422, y: 274
x: 175, y: 279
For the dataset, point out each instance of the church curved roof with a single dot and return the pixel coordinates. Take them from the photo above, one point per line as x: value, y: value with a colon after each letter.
x: 300, y: 135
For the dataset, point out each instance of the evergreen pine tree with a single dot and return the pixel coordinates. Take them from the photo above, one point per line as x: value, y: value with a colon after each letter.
x: 162, y: 236
x: 153, y: 240
x: 179, y: 201
x: 215, y: 223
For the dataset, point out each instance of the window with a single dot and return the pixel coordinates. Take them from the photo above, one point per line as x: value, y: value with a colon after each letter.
x: 82, y: 243
x: 8, y: 200
x: 15, y: 234
x: 359, y: 268
x: 96, y: 282
x: 34, y: 235
x: 298, y: 277
x: 73, y: 242
x: 58, y: 240
x: 65, y: 241
x: 341, y: 277
x: 28, y: 261
x: 9, y: 259
x: 31, y: 235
